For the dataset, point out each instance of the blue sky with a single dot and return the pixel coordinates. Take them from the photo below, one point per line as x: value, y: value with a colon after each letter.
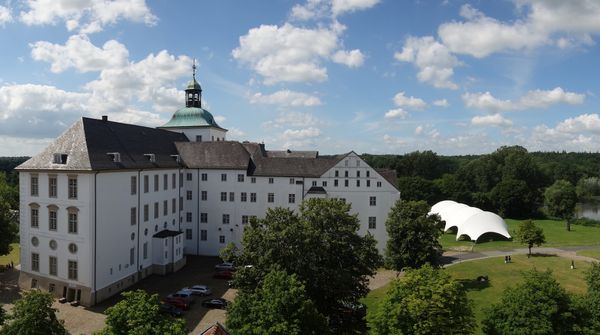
x: 376, y: 76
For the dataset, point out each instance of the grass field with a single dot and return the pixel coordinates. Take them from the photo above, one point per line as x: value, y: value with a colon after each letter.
x: 590, y: 253
x: 500, y: 277
x: 12, y: 256
x: 554, y: 230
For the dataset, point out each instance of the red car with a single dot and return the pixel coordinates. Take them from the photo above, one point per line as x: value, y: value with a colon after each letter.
x: 177, y: 302
x: 224, y: 274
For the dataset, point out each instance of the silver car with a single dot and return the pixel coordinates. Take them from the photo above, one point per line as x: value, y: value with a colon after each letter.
x: 201, y: 290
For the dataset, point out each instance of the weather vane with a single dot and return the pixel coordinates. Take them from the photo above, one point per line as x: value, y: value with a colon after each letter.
x: 194, y: 69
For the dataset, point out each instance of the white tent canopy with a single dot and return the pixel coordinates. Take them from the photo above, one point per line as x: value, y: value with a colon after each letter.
x: 469, y: 221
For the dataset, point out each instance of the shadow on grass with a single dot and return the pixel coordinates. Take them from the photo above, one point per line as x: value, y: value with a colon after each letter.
x: 541, y: 255
x: 474, y: 284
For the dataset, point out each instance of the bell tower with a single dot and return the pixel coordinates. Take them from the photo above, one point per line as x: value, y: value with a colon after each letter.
x: 193, y: 92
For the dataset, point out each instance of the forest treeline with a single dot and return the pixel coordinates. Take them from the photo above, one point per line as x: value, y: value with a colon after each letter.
x: 509, y: 181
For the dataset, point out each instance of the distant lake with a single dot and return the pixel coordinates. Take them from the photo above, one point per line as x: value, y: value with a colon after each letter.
x: 588, y: 210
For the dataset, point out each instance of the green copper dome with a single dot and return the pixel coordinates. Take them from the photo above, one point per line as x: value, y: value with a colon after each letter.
x: 191, y: 117
x: 193, y: 85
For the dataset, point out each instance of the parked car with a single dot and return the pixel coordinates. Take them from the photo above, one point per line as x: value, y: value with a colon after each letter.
x: 201, y: 290
x: 177, y: 302
x: 225, y: 266
x: 183, y: 295
x: 170, y: 309
x: 224, y: 274
x: 215, y: 303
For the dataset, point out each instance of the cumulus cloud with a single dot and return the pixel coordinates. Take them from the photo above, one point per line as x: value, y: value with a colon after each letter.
x: 343, y: 6
x: 441, y: 103
x: 286, y: 98
x: 397, y: 113
x: 580, y: 124
x: 433, y: 59
x: 317, y: 9
x: 496, y: 120
x: 579, y: 133
x: 5, y: 15
x: 89, y: 16
x: 532, y: 100
x: 401, y: 100
x: 292, y: 54
x: 293, y: 119
x: 79, y: 53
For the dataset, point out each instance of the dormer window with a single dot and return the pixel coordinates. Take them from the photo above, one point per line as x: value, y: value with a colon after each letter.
x: 151, y: 157
x: 59, y: 158
x: 114, y: 156
x: 176, y: 158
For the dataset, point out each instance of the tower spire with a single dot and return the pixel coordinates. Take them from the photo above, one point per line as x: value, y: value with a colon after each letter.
x: 194, y: 69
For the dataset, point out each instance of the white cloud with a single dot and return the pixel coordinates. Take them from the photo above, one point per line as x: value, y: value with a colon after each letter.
x: 89, y: 15
x: 5, y: 15
x: 318, y: 9
x: 441, y: 103
x: 301, y: 133
x: 491, y: 120
x: 298, y: 138
x: 353, y: 58
x: 394, y: 142
x: 286, y: 98
x: 292, y: 54
x: 293, y: 119
x: 580, y: 133
x: 419, y: 130
x: 23, y: 146
x: 235, y: 134
x: 79, y: 53
x: 580, y: 124
x: 220, y: 118
x: 396, y: 113
x: 401, y: 100
x: 532, y: 100
x: 342, y: 6
x: 435, y: 62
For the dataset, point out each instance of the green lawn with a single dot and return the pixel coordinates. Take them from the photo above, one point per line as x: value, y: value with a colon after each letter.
x: 590, y: 253
x: 554, y: 230
x: 12, y: 256
x: 501, y: 276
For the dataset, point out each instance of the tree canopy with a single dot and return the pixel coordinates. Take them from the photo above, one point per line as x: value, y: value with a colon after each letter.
x: 560, y: 200
x: 139, y: 313
x: 413, y: 236
x: 424, y: 301
x: 538, y: 305
x: 320, y: 244
x: 530, y: 234
x: 33, y: 314
x: 279, y: 306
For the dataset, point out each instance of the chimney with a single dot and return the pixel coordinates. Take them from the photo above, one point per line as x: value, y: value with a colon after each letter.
x: 104, y: 117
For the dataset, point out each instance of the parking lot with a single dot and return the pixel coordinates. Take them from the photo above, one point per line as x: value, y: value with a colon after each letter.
x: 199, y: 270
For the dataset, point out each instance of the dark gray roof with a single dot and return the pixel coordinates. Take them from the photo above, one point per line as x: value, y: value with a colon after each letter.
x: 166, y: 233
x: 389, y: 175
x: 289, y: 153
x: 316, y: 190
x: 214, y: 155
x: 88, y: 142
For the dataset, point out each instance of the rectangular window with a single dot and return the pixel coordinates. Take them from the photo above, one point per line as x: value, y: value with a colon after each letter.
x: 52, y: 219
x: 337, y: 173
x: 253, y: 180
x: 188, y: 217
x: 225, y: 218
x: 188, y: 176
x: 165, y: 181
x: 372, y: 222
x: 223, y: 176
x: 53, y: 266
x: 146, y: 212
x: 223, y: 196
x: 165, y: 208
x: 180, y: 203
x: 133, y: 185
x: 314, y: 183
x: 368, y: 183
x: 292, y: 198
x: 173, y: 181
x: 378, y: 184
x: 204, y: 195
x: 244, y: 219
x: 271, y: 180
x: 35, y: 218
x: 73, y: 270
x: 368, y: 173
x: 198, y: 138
x: 188, y: 234
x: 181, y: 178
x: 203, y: 235
x: 35, y: 262
x: 357, y: 163
x: 222, y: 239
x: 173, y: 205
x: 72, y: 187
x: 156, y: 210
x: 188, y: 195
x: 346, y: 173
x: 73, y: 223
x: 372, y: 201
x: 252, y: 197
x: 324, y: 183
x: 346, y: 163
x: 335, y: 183
x: 133, y: 216
x: 131, y: 256
x: 243, y: 197
x: 232, y: 196
x: 156, y: 183
x: 271, y: 197
x: 146, y: 184
x: 34, y: 183
x: 240, y: 178
x: 346, y: 182
x: 357, y: 173
x: 204, y: 176
x: 145, y: 250
x: 357, y: 182
x: 292, y: 181
x: 52, y: 185
x: 203, y: 217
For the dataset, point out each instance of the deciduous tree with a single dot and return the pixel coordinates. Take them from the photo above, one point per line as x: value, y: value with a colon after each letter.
x: 424, y: 301
x: 139, y: 313
x: 560, y: 200
x: 8, y: 230
x: 33, y: 314
x: 530, y: 234
x: 279, y: 306
x: 229, y: 253
x: 413, y: 236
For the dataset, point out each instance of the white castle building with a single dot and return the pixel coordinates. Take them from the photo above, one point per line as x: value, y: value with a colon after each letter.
x: 107, y: 203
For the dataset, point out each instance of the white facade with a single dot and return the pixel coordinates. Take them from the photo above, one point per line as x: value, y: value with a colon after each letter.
x: 204, y: 134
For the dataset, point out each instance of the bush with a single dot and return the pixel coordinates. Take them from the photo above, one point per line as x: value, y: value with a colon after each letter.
x: 586, y: 222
